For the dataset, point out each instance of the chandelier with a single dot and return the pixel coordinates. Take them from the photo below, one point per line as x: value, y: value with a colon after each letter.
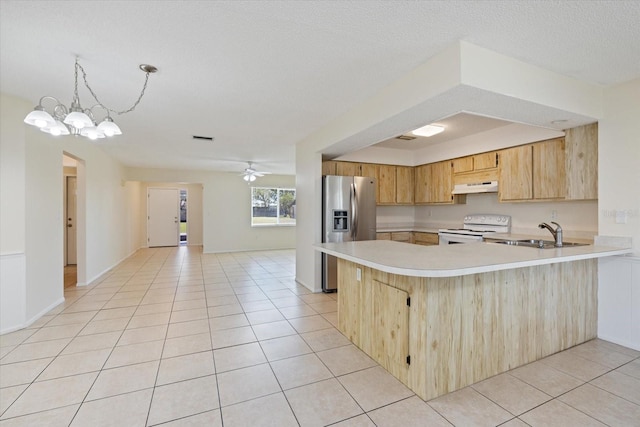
x: 77, y: 120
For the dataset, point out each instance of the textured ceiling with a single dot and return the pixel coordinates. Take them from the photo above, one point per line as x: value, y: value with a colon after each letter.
x: 260, y: 76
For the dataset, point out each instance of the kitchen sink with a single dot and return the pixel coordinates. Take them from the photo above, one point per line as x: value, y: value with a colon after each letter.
x: 537, y: 243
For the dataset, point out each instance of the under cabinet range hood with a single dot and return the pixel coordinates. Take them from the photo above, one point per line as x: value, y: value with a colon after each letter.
x: 477, y: 187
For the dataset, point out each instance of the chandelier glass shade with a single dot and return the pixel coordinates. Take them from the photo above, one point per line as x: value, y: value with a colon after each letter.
x: 60, y: 120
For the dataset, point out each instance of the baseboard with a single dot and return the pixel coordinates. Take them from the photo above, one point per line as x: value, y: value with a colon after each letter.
x: 624, y: 343
x: 229, y: 251
x: 95, y: 279
x: 304, y: 284
x: 34, y: 318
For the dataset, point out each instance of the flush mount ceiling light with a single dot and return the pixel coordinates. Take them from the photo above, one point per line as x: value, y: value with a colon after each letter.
x: 428, y: 130
x: 77, y: 120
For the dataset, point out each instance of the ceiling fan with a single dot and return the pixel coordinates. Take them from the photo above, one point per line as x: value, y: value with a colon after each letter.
x: 250, y: 174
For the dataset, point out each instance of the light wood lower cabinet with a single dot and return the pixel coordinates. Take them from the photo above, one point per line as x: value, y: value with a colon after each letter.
x: 419, y: 238
x: 402, y: 236
x: 461, y: 330
x: 425, y: 239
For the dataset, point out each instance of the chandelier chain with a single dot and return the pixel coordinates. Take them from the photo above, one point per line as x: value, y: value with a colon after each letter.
x: 86, y: 83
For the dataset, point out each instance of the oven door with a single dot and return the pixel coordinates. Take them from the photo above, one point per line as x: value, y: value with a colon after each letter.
x: 453, y: 239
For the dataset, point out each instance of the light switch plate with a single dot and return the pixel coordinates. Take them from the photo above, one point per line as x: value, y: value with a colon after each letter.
x: 358, y: 274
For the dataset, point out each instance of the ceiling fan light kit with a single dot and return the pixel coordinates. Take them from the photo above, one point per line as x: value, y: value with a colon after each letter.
x: 250, y: 174
x: 77, y: 120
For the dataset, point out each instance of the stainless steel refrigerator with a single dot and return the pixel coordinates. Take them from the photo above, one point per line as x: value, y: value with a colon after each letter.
x: 348, y: 214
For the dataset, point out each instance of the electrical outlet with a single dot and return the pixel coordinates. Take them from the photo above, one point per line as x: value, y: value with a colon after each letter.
x: 358, y: 274
x: 554, y: 214
x: 621, y: 217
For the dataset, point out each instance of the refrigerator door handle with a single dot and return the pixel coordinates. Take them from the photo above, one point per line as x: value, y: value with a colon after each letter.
x: 354, y: 212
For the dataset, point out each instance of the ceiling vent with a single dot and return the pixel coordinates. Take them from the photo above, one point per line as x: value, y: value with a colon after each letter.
x: 406, y: 137
x: 203, y: 138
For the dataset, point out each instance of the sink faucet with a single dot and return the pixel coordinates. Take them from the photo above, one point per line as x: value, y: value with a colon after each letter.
x: 557, y: 233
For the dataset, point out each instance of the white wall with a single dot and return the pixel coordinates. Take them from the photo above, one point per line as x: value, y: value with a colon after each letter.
x: 618, y: 183
x: 12, y: 213
x: 102, y: 217
x: 226, y: 207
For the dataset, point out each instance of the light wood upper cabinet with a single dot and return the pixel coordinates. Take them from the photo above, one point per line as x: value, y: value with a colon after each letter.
x: 581, y: 159
x: 386, y: 177
x: 434, y: 183
x: 441, y: 184
x: 549, y: 169
x: 368, y: 170
x: 485, y: 161
x: 532, y: 172
x: 395, y: 184
x: 515, y: 174
x: 463, y: 164
x: 421, y: 187
x: 347, y: 169
x: 404, y: 185
x: 329, y: 167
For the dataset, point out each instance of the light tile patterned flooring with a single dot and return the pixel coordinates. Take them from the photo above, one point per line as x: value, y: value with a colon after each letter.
x: 175, y: 337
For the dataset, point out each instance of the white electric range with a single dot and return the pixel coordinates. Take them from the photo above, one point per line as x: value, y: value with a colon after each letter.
x: 474, y: 228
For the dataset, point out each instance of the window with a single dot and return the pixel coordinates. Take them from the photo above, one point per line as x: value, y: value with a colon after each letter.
x: 273, y: 206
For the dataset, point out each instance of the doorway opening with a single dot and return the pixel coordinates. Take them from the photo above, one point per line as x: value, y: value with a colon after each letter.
x: 70, y: 221
x: 183, y: 217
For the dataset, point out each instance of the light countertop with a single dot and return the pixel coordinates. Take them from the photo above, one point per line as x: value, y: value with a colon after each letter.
x: 456, y: 260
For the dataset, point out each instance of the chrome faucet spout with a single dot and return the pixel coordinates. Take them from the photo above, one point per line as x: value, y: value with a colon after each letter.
x: 557, y: 233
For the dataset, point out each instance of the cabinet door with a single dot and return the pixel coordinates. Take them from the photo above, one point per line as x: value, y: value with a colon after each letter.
x: 441, y: 183
x: 463, y: 164
x: 386, y: 176
x: 401, y: 236
x: 515, y: 174
x: 485, y: 161
x: 347, y: 169
x: 425, y: 239
x: 581, y: 160
x: 383, y: 236
x: 329, y: 167
x: 390, y: 325
x: 548, y: 169
x: 404, y: 185
x: 421, y: 189
x: 368, y: 170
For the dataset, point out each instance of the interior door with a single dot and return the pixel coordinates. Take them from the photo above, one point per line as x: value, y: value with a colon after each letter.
x: 71, y: 221
x: 163, y: 217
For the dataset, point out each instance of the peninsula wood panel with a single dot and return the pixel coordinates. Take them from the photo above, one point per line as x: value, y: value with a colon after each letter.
x: 468, y: 328
x: 349, y: 303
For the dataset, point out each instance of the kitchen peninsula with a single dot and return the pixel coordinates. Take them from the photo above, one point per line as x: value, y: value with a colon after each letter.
x: 440, y: 318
